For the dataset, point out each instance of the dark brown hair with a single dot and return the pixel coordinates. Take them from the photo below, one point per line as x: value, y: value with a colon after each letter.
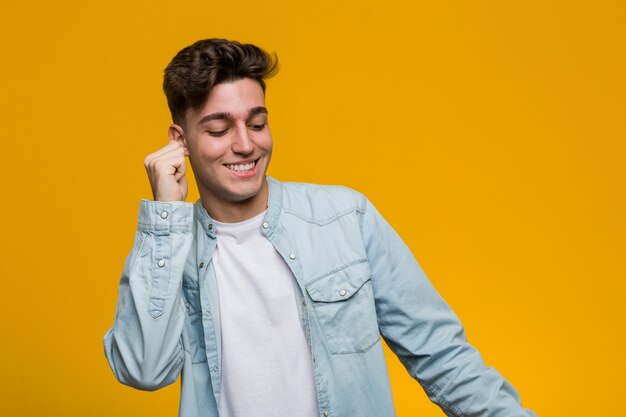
x: 196, y: 69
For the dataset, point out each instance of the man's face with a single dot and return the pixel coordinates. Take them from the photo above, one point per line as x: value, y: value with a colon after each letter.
x: 229, y: 142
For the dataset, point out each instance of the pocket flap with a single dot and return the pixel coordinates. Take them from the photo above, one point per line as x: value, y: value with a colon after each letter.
x: 340, y: 285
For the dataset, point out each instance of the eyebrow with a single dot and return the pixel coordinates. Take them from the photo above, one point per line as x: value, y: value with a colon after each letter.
x: 228, y: 116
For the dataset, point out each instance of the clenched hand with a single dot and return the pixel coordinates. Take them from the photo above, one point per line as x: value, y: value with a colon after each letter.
x: 166, y: 170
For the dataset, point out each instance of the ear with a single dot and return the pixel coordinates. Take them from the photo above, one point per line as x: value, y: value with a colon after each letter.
x: 177, y: 134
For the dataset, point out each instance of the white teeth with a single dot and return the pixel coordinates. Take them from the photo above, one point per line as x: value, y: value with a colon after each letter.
x: 241, y: 167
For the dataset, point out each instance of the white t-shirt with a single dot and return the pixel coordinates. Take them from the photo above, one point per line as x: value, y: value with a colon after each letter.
x: 266, y: 360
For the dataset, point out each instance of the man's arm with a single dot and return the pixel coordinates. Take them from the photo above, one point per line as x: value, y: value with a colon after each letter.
x: 144, y: 347
x: 426, y: 335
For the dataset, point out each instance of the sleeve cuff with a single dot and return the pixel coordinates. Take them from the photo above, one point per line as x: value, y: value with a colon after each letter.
x: 163, y: 217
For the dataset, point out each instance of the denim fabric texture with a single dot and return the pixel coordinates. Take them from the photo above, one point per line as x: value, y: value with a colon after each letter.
x: 355, y: 281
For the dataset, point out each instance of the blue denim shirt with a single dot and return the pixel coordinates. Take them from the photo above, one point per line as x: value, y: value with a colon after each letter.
x: 355, y: 280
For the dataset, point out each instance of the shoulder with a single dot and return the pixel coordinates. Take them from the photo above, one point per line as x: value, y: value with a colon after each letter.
x: 317, y: 202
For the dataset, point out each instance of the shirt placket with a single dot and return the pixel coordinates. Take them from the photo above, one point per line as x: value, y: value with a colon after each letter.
x: 210, y: 304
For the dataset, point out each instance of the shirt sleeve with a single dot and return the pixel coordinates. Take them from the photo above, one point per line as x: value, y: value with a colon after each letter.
x: 426, y: 335
x: 143, y: 347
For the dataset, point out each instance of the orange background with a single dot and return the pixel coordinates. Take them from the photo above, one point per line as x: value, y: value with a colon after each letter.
x: 490, y: 135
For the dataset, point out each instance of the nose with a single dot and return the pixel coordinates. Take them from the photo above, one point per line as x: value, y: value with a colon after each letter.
x: 242, y: 144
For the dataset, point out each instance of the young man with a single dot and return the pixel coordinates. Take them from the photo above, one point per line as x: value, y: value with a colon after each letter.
x: 271, y: 297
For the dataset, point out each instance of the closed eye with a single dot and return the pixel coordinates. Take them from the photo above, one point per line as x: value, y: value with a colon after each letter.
x: 257, y: 126
x: 217, y: 133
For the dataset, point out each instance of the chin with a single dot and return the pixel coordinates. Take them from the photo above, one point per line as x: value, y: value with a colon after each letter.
x: 242, y: 192
x: 234, y: 191
x: 246, y: 194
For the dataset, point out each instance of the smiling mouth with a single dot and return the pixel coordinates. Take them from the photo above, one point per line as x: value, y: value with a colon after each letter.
x: 242, y: 168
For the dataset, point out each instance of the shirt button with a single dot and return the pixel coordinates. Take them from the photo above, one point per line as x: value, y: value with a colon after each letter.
x: 342, y: 292
x: 266, y: 225
x: 210, y: 226
x: 161, y: 263
x: 201, y: 265
x: 292, y: 256
x: 325, y: 412
x: 215, y: 368
x: 164, y: 214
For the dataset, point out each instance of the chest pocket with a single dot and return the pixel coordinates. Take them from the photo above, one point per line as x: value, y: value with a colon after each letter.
x: 193, y: 332
x: 345, y: 309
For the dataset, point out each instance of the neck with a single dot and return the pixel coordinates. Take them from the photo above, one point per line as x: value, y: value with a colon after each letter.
x: 234, y: 212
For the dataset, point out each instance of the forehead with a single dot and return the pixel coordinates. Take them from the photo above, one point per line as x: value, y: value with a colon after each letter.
x: 235, y: 97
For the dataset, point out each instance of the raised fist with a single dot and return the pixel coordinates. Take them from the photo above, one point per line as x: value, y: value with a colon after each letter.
x: 166, y: 170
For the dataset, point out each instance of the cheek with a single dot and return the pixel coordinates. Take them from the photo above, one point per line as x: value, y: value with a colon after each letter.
x: 210, y: 151
x: 266, y: 143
